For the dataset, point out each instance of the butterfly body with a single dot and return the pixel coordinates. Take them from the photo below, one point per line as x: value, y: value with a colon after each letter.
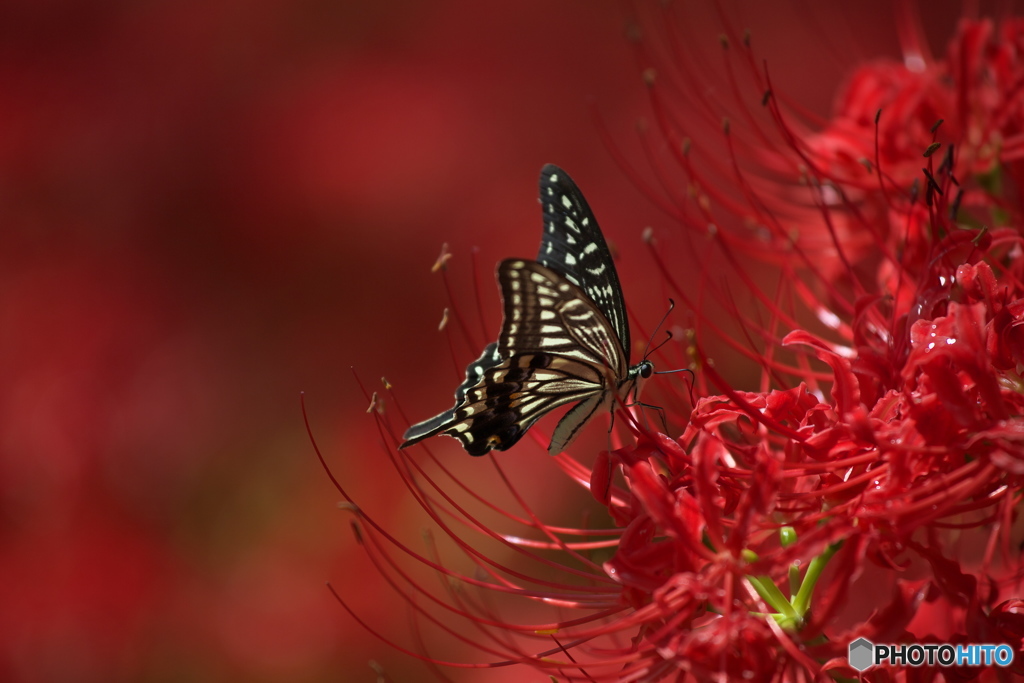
x: 564, y: 338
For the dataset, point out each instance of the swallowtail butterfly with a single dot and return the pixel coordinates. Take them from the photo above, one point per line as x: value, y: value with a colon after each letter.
x: 564, y: 337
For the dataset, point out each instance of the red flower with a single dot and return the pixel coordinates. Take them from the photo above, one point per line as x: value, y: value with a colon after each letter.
x: 875, y: 473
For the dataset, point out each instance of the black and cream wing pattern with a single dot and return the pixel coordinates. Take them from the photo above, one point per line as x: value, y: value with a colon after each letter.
x: 564, y: 337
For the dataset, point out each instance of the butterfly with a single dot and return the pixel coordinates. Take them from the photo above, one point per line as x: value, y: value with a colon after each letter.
x: 564, y: 337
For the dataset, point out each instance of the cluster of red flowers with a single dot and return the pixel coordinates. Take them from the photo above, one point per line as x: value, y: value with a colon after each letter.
x: 869, y: 490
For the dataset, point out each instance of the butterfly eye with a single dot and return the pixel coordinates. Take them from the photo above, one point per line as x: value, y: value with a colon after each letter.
x: 646, y: 369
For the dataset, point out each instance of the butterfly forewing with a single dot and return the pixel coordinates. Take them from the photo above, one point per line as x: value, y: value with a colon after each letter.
x: 572, y: 244
x: 546, y: 313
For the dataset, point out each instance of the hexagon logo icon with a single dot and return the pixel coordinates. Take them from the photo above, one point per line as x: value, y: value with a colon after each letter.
x: 861, y: 654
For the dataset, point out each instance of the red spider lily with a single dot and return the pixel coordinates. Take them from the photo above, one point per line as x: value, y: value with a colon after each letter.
x: 867, y: 489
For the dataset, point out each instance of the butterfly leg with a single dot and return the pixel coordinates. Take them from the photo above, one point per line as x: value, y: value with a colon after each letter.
x: 659, y: 409
x: 611, y: 425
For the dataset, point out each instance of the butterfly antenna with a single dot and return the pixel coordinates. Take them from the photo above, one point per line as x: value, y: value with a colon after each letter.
x: 668, y: 337
x: 647, y: 349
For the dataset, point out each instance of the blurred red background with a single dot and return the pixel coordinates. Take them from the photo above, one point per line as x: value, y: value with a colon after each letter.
x: 208, y: 207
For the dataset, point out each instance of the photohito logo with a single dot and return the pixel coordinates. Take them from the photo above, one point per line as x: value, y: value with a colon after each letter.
x: 863, y: 654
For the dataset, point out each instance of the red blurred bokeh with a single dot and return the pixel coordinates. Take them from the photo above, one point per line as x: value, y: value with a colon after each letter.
x: 208, y: 207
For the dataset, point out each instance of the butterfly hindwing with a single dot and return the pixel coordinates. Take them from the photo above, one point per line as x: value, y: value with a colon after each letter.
x: 558, y: 348
x: 475, y: 371
x: 572, y: 245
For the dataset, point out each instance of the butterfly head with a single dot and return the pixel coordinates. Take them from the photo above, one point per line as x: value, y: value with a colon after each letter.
x: 637, y: 375
x: 645, y: 369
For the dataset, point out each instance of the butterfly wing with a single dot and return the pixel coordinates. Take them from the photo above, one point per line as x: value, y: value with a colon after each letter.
x: 475, y: 373
x: 555, y: 347
x: 573, y: 246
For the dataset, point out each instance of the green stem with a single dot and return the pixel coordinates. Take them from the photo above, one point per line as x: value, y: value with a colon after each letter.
x: 772, y: 596
x: 802, y: 601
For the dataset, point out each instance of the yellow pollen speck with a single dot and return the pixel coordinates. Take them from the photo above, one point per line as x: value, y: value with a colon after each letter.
x: 442, y: 259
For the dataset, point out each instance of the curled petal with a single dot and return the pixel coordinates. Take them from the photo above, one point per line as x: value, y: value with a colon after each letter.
x: 845, y: 391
